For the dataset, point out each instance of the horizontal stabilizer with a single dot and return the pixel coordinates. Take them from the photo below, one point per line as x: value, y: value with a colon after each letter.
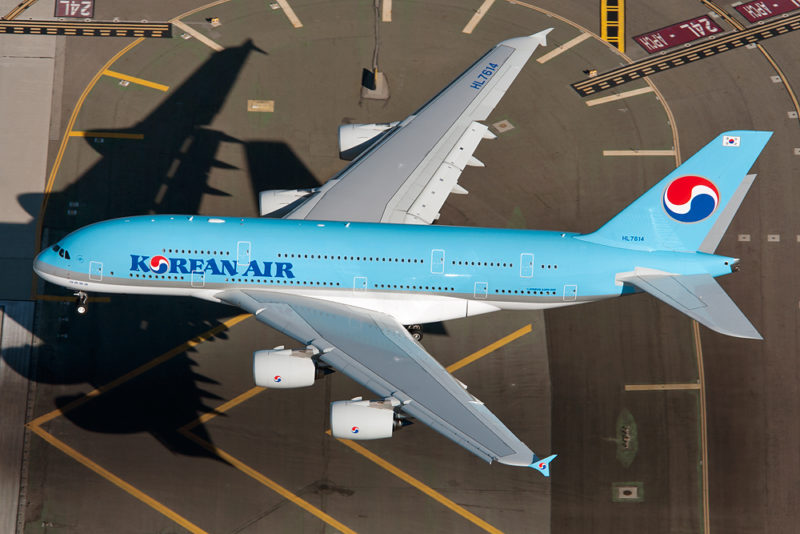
x: 700, y: 297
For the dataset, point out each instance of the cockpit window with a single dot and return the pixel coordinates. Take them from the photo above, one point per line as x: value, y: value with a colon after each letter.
x: 56, y: 248
x: 66, y: 254
x: 61, y: 252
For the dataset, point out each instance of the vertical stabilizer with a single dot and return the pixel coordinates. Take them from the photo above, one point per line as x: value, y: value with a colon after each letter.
x: 690, y: 209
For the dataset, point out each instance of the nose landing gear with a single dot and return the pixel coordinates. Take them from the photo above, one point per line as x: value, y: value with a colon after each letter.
x: 82, y: 305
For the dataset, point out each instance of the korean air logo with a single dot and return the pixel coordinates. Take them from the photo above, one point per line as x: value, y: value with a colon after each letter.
x: 542, y: 465
x: 277, y: 379
x: 159, y: 264
x: 354, y: 430
x: 690, y: 199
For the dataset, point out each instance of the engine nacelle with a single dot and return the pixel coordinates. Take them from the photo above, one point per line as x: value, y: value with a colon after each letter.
x: 277, y: 199
x: 356, y: 138
x: 360, y: 419
x: 283, y: 368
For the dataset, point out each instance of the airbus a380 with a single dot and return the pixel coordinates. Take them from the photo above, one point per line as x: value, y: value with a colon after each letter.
x: 352, y: 268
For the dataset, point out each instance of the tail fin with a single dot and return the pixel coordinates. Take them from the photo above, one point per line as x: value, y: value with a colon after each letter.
x: 691, y: 208
x: 543, y: 466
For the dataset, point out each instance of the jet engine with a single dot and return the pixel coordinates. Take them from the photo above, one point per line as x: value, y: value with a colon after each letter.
x: 281, y: 368
x: 360, y: 419
x: 356, y: 138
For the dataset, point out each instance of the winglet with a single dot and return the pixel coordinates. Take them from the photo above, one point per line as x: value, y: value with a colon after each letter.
x: 541, y: 37
x: 543, y: 466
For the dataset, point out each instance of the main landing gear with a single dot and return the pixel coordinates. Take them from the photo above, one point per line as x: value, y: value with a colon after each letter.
x: 82, y: 305
x: 416, y: 331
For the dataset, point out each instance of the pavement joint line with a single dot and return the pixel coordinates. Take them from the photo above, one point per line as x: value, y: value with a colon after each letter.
x: 134, y: 79
x: 639, y: 152
x: 205, y: 336
x: 619, y: 96
x: 386, y: 10
x: 662, y: 387
x: 106, y: 135
x: 424, y: 488
x: 114, y: 479
x: 563, y: 48
x: 199, y: 36
x: 290, y: 14
x: 476, y: 18
x: 63, y: 147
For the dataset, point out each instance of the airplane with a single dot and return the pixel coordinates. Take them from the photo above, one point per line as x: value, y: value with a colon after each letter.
x: 354, y: 267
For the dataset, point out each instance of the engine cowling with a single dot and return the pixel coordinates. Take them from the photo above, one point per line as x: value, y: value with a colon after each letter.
x: 356, y: 138
x: 360, y: 419
x: 283, y: 368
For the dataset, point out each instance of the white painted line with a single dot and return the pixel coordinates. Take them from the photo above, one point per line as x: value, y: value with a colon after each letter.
x: 386, y: 11
x: 476, y: 18
x: 199, y: 36
x: 290, y: 13
x: 620, y: 96
x: 566, y: 46
x: 744, y: 238
x: 638, y: 152
x: 774, y: 238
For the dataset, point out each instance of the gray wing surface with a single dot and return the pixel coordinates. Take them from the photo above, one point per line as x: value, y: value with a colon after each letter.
x: 700, y: 297
x: 376, y: 351
x: 408, y: 175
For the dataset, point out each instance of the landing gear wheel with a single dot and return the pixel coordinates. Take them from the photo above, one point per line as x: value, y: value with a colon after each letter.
x: 416, y: 331
x: 82, y: 305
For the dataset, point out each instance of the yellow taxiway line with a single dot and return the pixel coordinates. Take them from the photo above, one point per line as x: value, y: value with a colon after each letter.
x: 618, y: 96
x: 107, y: 135
x: 489, y: 348
x: 17, y: 10
x: 137, y: 81
x: 213, y: 45
x: 566, y: 46
x: 479, y: 14
x: 661, y: 387
x: 290, y: 14
x: 639, y: 152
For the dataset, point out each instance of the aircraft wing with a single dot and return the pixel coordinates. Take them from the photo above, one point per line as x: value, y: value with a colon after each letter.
x: 407, y: 176
x: 700, y: 297
x: 376, y: 351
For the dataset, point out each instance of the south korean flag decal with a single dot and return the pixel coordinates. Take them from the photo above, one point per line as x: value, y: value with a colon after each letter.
x: 731, y: 140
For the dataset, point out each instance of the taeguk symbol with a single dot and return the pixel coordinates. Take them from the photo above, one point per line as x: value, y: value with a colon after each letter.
x: 690, y: 199
x: 159, y: 264
x: 277, y: 378
x: 354, y: 430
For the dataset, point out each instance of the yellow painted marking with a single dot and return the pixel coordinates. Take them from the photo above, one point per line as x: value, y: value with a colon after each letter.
x: 566, y: 46
x: 427, y: 490
x: 619, y: 96
x: 271, y: 484
x: 661, y: 387
x: 638, y: 152
x: 290, y: 13
x: 65, y: 298
x: 489, y: 348
x: 386, y: 11
x: 109, y: 135
x: 476, y: 18
x: 19, y: 9
x: 606, y: 24
x: 114, y: 479
x: 180, y: 349
x: 263, y: 106
x: 247, y: 395
x: 138, y: 81
x: 199, y: 36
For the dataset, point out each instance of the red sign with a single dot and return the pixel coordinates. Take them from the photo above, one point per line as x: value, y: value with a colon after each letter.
x: 78, y: 9
x: 764, y: 9
x: 678, y: 34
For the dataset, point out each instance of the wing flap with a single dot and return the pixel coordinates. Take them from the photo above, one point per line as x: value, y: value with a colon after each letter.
x: 700, y: 297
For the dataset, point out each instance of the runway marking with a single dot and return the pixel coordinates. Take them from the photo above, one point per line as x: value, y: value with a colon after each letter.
x: 199, y: 36
x: 138, y: 81
x: 247, y: 395
x: 424, y: 488
x: 107, y: 135
x: 386, y: 11
x: 114, y: 479
x: 612, y: 22
x: 620, y: 96
x: 563, y: 48
x: 63, y: 147
x: 661, y: 387
x: 489, y: 348
x: 205, y: 336
x: 290, y: 13
x: 476, y: 18
x: 638, y: 152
